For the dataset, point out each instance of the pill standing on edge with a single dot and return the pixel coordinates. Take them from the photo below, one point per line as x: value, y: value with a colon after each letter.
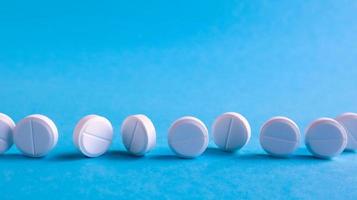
x: 138, y: 134
x: 7, y: 126
x: 349, y: 122
x: 279, y: 136
x: 325, y: 138
x: 93, y: 135
x: 35, y: 135
x: 188, y: 137
x: 231, y: 131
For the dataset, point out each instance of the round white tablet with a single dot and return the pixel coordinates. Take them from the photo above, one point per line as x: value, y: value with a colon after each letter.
x: 349, y: 122
x: 138, y: 134
x: 6, y: 131
x: 188, y: 137
x: 325, y: 138
x: 35, y: 135
x: 93, y: 135
x: 231, y: 131
x: 279, y: 136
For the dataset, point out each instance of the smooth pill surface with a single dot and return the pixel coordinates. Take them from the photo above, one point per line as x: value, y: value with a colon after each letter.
x: 349, y: 122
x: 325, y: 138
x: 279, y: 136
x: 93, y: 135
x: 231, y: 131
x: 138, y: 134
x: 188, y: 137
x: 35, y: 135
x: 7, y: 126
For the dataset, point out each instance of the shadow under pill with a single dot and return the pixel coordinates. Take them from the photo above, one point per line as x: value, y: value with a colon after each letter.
x: 167, y: 157
x: 121, y: 155
x: 211, y: 151
x: 72, y: 156
x: 347, y: 152
x: 307, y: 157
x: 254, y: 156
x: 14, y: 156
x: 266, y: 157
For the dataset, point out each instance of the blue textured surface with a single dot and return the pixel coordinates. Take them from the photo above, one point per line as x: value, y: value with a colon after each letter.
x: 170, y: 59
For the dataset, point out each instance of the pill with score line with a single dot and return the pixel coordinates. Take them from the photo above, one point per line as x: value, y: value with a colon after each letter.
x: 188, y: 137
x: 279, y: 136
x: 138, y: 134
x: 35, y: 135
x: 325, y: 138
x: 231, y: 131
x: 93, y: 135
x: 7, y: 126
x: 349, y: 122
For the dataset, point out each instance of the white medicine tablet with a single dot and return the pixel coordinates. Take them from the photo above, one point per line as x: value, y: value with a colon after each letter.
x: 93, y: 135
x: 231, y: 131
x: 188, y: 137
x: 349, y: 122
x: 280, y: 136
x: 138, y: 134
x: 35, y: 135
x: 7, y: 126
x: 325, y: 138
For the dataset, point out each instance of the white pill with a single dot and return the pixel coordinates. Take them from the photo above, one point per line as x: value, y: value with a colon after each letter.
x: 325, y: 138
x: 188, y: 137
x: 138, y: 134
x: 349, y: 122
x: 279, y: 136
x: 7, y: 126
x: 231, y: 131
x: 93, y: 135
x: 35, y: 135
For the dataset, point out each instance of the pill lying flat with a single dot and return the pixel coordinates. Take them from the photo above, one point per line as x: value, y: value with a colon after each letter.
x: 188, y: 137
x: 7, y: 126
x: 279, y: 136
x: 93, y: 135
x: 138, y: 134
x: 231, y: 131
x: 325, y: 138
x: 35, y: 135
x: 349, y: 122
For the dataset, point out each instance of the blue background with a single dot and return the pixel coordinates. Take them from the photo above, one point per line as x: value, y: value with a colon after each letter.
x: 168, y: 59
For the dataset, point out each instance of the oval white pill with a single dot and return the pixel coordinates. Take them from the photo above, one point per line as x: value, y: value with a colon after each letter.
x: 7, y: 126
x: 138, y: 134
x: 325, y: 138
x: 93, y: 135
x: 279, y: 136
x: 231, y: 131
x: 188, y: 137
x: 349, y: 122
x: 35, y: 135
